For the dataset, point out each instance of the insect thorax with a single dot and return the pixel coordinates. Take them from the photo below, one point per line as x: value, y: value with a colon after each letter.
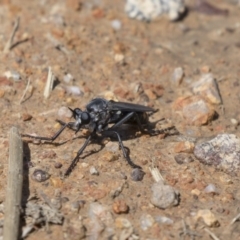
x: 98, y: 110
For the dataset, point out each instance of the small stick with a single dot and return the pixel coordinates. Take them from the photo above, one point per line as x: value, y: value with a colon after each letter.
x: 25, y: 91
x: 211, y: 234
x: 156, y: 174
x: 47, y: 112
x: 45, y: 198
x: 235, y: 219
x: 9, y: 43
x: 49, y: 83
x: 14, y: 186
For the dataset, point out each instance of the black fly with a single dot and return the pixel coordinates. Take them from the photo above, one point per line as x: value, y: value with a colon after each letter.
x: 96, y: 118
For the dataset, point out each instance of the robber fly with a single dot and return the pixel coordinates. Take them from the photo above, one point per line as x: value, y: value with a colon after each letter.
x: 97, y: 117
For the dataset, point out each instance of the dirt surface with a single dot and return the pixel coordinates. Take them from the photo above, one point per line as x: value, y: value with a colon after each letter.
x: 77, y: 38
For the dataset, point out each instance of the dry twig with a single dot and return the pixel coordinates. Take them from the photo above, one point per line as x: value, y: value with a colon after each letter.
x: 235, y: 219
x: 49, y: 83
x: 9, y: 43
x: 211, y: 234
x: 187, y: 232
x: 156, y: 174
x: 25, y: 91
x: 14, y: 186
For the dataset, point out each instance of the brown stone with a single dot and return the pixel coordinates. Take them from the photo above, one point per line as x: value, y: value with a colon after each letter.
x: 120, y: 206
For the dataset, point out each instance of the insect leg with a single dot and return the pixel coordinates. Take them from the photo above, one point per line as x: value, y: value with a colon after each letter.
x: 53, y: 137
x: 130, y: 162
x: 75, y: 160
x: 126, y: 118
x: 72, y: 126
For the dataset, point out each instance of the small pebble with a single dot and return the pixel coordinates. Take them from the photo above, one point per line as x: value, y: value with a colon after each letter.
x: 29, y: 164
x: 155, y: 89
x: 226, y: 179
x: 183, y: 158
x: 13, y: 75
x: 122, y: 223
x: 47, y: 154
x: 119, y: 58
x: 116, y: 24
x: 122, y: 175
x: 137, y: 174
x: 99, y: 214
x: 223, y: 152
x: 74, y: 228
x: 2, y: 93
x: 98, y: 13
x: 110, y: 156
x: 209, y: 9
x: 150, y: 94
x: 136, y: 87
x: 97, y: 193
x: 93, y: 171
x: 75, y: 5
x: 196, y: 192
x: 75, y: 206
x: 56, y: 182
x: 177, y: 76
x: 4, y: 81
x: 56, y: 18
x: 119, y: 47
x: 184, y: 147
x: 74, y: 90
x: 146, y: 221
x: 208, y: 217
x: 40, y: 175
x: 164, y: 220
x: 56, y: 203
x: 194, y: 109
x: 120, y: 206
x: 64, y: 112
x: 57, y: 165
x: 84, y: 164
x: 149, y: 10
x: 26, y: 117
x: 67, y: 78
x: 210, y: 188
x: 207, y: 87
x: 164, y: 196
x: 116, y: 192
x: 234, y: 121
x: 112, y: 147
x: 81, y: 203
x: 205, y: 69
x: 69, y: 100
x: 228, y: 197
x: 109, y: 95
x: 64, y: 199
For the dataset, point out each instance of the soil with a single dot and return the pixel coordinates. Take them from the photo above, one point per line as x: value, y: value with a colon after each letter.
x: 76, y: 37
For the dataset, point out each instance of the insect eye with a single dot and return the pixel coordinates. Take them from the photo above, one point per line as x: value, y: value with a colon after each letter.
x: 85, y: 117
x: 76, y: 112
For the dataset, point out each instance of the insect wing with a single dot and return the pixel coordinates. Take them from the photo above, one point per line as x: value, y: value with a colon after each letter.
x: 129, y: 107
x: 97, y: 105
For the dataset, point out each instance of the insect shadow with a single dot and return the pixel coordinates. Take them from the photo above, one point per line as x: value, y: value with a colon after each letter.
x: 126, y: 132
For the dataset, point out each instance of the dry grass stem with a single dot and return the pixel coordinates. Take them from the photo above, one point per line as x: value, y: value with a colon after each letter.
x: 14, y: 186
x: 211, y: 234
x: 25, y: 91
x: 49, y: 83
x: 156, y: 174
x: 9, y: 43
x: 235, y: 219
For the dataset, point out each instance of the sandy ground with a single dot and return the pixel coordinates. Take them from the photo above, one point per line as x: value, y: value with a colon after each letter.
x: 78, y: 39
